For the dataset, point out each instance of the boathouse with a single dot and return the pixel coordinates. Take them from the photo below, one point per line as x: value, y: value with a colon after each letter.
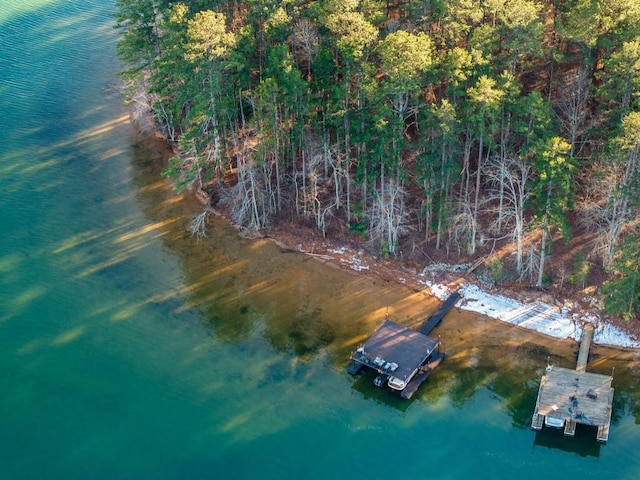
x: 570, y: 397
x: 403, y: 357
x: 396, y: 352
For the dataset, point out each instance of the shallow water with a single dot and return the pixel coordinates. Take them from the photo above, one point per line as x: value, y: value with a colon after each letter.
x: 129, y: 349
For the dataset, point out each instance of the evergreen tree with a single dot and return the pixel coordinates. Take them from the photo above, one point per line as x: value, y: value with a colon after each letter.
x: 622, y: 292
x: 553, y: 192
x: 283, y: 106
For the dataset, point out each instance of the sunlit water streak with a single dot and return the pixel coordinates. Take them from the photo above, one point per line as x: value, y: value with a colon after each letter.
x: 130, y: 350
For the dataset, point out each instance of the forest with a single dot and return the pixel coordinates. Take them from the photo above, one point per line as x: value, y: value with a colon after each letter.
x: 501, y: 130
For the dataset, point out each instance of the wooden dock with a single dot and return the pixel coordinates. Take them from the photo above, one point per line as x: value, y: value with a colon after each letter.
x: 569, y: 397
x: 404, y: 358
x: 422, y: 375
x: 354, y: 367
x: 394, y: 350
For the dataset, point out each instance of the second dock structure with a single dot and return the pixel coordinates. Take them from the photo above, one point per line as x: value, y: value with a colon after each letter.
x: 570, y: 397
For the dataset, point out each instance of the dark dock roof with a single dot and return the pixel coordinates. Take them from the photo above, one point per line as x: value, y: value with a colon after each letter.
x: 396, y: 350
x: 403, y: 357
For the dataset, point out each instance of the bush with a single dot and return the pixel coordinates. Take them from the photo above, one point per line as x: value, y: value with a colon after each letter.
x: 496, y: 270
x: 622, y: 292
x: 581, y: 269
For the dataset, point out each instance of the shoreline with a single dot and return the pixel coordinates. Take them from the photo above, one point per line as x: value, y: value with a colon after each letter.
x: 536, y: 314
x: 439, y: 280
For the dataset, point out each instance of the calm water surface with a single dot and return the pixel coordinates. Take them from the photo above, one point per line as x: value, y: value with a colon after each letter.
x: 130, y: 350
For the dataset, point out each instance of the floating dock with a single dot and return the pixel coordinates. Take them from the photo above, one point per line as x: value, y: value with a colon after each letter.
x: 404, y: 358
x: 570, y: 397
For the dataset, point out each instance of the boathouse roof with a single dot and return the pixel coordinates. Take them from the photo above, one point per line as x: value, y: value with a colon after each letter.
x: 396, y: 350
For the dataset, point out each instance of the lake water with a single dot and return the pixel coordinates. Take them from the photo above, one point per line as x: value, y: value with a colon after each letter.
x: 129, y: 349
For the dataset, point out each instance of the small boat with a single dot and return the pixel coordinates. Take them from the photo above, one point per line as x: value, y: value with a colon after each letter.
x: 553, y: 422
x: 396, y: 383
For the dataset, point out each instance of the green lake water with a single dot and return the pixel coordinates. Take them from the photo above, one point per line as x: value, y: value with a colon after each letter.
x: 129, y: 349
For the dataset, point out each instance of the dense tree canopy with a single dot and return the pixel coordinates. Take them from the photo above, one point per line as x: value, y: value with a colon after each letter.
x: 464, y: 125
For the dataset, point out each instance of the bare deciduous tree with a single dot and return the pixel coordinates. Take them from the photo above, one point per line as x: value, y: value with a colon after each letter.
x: 198, y: 225
x: 613, y: 207
x: 531, y: 264
x: 573, y: 107
x: 305, y: 41
x: 388, y: 216
x: 508, y: 186
x: 316, y: 184
x: 460, y: 227
x: 249, y: 197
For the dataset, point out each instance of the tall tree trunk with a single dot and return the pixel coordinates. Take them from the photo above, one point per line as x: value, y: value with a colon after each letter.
x: 276, y: 154
x: 476, y: 199
x: 543, y: 252
x: 217, y: 157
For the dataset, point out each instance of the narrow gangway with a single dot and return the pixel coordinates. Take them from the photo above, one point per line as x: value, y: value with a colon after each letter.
x: 585, y: 344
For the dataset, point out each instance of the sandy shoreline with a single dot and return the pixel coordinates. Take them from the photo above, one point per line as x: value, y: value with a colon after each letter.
x: 439, y: 280
x: 545, y: 318
x: 536, y: 315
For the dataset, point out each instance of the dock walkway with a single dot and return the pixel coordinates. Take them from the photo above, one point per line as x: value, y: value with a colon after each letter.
x: 434, y: 320
x: 585, y: 344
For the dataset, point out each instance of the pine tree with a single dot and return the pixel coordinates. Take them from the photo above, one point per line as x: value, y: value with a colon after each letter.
x: 622, y: 292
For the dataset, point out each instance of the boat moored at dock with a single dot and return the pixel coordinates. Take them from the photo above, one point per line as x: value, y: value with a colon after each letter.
x: 404, y: 358
x: 569, y: 397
